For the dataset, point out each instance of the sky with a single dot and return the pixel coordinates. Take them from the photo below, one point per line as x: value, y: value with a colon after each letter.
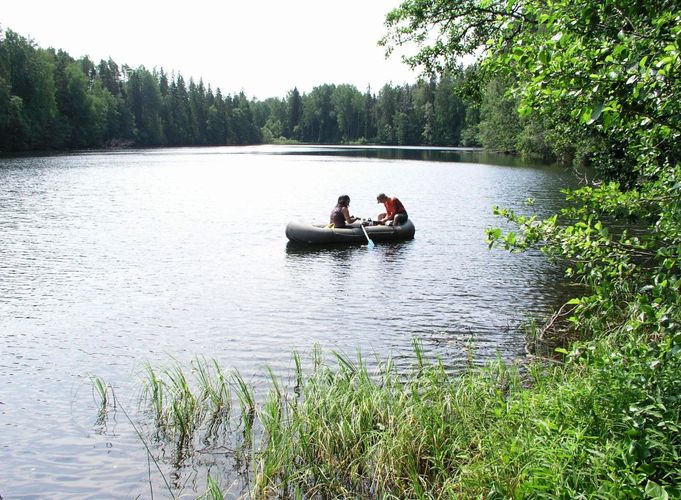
x: 261, y: 47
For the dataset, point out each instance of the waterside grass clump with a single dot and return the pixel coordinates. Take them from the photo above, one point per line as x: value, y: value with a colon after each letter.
x: 181, y: 404
x: 103, y: 395
x: 604, y: 423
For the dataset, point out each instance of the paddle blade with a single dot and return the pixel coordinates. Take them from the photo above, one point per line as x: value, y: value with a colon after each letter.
x: 370, y: 243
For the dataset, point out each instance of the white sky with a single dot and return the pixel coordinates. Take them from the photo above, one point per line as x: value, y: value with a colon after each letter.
x: 263, y: 47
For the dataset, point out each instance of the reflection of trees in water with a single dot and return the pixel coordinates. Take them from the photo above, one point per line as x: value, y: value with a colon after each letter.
x: 394, y: 252
x: 337, y: 259
x: 424, y: 154
x: 340, y: 264
x: 336, y: 253
x: 342, y: 253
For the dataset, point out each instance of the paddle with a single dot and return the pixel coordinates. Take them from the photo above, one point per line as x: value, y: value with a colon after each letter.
x: 370, y: 243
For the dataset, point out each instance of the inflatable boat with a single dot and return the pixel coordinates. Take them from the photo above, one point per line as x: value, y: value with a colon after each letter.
x: 313, y: 234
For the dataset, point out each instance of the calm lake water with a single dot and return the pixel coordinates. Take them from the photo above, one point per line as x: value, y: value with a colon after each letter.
x: 110, y: 260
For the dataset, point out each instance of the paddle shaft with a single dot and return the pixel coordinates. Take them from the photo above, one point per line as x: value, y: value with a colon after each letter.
x: 369, y: 242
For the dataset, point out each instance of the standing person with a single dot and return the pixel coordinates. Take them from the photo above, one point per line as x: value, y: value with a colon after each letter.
x: 340, y: 215
x: 394, y: 210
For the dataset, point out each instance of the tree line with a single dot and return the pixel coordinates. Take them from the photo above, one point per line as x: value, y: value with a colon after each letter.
x: 51, y: 101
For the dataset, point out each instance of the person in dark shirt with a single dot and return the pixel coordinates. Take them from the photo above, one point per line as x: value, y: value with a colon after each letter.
x: 394, y: 210
x: 340, y: 215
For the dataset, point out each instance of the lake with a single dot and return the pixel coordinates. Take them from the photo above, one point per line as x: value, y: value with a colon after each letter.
x: 111, y: 260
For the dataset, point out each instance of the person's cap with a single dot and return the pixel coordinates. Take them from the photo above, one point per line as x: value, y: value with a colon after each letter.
x: 380, y: 197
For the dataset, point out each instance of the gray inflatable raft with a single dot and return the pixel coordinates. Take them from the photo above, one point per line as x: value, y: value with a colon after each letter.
x: 313, y: 234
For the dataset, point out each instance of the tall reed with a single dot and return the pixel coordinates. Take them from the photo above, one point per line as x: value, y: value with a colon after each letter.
x: 604, y: 425
x: 100, y: 391
x: 181, y: 402
x: 354, y: 432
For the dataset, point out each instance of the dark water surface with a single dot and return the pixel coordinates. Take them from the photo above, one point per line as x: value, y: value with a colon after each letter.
x: 110, y: 260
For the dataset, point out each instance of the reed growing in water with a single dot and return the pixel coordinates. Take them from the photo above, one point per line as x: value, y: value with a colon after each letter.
x: 103, y: 395
x: 182, y: 403
x: 351, y: 431
x: 604, y: 422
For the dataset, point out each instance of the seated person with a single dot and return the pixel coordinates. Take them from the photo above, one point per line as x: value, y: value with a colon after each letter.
x: 340, y: 215
x: 394, y: 210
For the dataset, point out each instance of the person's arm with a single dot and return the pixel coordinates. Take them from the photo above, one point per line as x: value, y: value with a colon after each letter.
x: 349, y: 219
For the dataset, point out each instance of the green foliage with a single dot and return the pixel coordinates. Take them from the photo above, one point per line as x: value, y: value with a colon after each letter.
x: 614, y: 65
x: 103, y: 394
x: 603, y: 80
x: 50, y: 100
x: 455, y: 29
x: 143, y: 98
x: 450, y: 111
x: 631, y: 269
x: 501, y: 127
x: 31, y: 109
x: 604, y: 424
x: 621, y: 239
x: 597, y: 81
x: 294, y: 114
x: 347, y: 103
x: 183, y: 404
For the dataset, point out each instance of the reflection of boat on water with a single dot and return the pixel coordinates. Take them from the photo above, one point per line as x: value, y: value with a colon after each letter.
x: 314, y: 234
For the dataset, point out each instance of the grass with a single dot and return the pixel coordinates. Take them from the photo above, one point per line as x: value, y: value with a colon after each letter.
x: 605, y: 426
x: 605, y: 423
x: 183, y: 402
x: 103, y: 395
x: 213, y: 490
x: 353, y: 432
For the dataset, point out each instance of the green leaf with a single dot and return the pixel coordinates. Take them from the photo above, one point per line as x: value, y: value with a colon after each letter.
x: 494, y: 233
x: 654, y: 490
x: 596, y: 112
x: 664, y: 61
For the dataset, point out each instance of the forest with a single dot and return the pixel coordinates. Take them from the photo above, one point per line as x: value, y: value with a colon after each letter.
x: 50, y: 100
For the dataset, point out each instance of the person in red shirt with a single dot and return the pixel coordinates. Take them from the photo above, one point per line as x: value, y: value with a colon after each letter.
x: 394, y: 210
